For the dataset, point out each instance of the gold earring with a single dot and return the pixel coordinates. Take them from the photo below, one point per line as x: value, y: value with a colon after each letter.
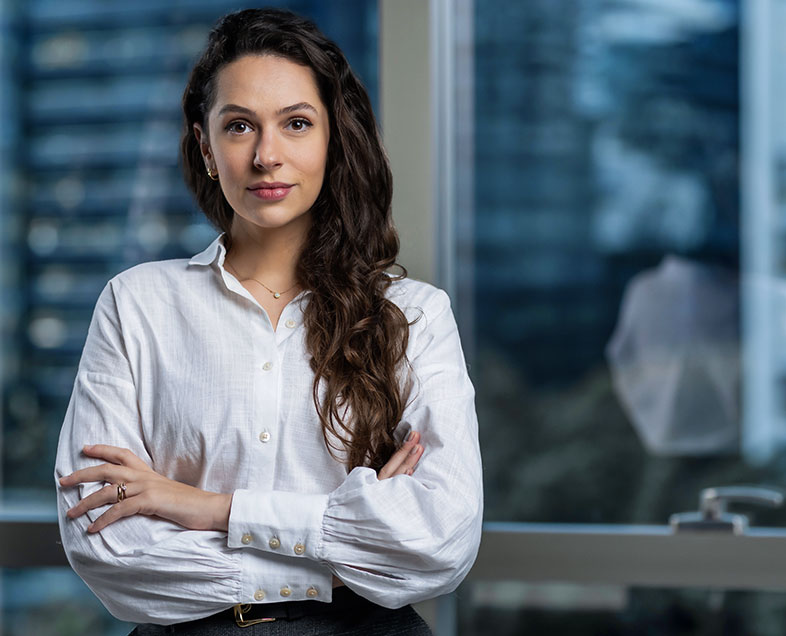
x: 210, y: 174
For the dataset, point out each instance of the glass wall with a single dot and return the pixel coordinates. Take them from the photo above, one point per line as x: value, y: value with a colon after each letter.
x: 605, y: 257
x: 66, y: 606
x: 89, y: 128
x: 602, y: 270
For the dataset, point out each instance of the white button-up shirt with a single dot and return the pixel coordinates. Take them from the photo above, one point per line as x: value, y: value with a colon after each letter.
x: 182, y: 366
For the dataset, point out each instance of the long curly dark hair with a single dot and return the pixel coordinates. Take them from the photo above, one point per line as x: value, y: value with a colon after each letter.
x: 356, y: 337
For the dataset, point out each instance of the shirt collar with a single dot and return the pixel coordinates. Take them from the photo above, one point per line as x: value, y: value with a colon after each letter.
x: 211, y: 253
x: 217, y: 252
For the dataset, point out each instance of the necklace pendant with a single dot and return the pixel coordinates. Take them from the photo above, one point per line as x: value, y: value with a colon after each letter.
x: 276, y: 295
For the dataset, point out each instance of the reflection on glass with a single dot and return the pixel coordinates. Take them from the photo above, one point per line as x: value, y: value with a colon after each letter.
x: 674, y: 358
x: 605, y: 255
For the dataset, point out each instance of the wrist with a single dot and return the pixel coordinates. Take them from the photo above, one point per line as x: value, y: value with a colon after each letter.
x: 222, y: 504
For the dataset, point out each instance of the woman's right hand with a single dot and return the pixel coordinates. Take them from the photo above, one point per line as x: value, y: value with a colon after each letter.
x: 405, y: 459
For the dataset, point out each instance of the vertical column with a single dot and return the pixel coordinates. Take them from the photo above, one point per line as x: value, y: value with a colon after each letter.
x: 762, y: 416
x: 406, y: 106
x: 460, y: 209
x: 420, y: 61
x: 443, y: 126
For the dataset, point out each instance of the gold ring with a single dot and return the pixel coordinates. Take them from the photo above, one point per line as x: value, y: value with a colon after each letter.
x: 121, y: 492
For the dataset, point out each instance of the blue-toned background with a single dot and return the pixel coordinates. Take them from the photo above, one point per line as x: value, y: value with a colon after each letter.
x: 607, y: 150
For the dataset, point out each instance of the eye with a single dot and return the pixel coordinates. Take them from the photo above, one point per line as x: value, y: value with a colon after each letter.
x: 299, y: 124
x: 238, y: 127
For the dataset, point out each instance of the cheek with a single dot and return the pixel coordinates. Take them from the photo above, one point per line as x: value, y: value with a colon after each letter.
x: 313, y: 163
x: 234, y: 155
x: 228, y: 160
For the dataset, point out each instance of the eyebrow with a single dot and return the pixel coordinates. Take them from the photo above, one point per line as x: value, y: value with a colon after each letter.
x: 234, y: 108
x: 299, y: 106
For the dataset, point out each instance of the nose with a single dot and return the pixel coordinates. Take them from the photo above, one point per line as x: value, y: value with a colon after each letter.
x: 268, y: 151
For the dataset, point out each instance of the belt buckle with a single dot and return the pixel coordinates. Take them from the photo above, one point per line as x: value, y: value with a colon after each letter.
x: 248, y: 622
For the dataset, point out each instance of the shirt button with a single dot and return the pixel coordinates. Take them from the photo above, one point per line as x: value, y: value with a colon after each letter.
x: 267, y: 366
x: 259, y: 595
x: 290, y: 323
x: 299, y: 548
x: 264, y: 437
x: 246, y: 539
x: 312, y: 592
x: 274, y: 543
x: 285, y: 591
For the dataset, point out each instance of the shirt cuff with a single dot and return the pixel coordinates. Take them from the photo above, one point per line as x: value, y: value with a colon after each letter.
x: 267, y: 578
x: 285, y: 523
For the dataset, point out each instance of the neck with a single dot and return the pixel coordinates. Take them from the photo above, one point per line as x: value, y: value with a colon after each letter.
x: 267, y: 255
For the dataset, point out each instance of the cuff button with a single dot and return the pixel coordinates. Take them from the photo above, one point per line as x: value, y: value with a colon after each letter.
x: 274, y: 543
x: 312, y: 592
x: 259, y: 595
x: 246, y: 539
x: 299, y: 548
x: 285, y: 591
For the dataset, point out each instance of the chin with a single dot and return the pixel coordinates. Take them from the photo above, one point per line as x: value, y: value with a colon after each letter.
x: 276, y: 221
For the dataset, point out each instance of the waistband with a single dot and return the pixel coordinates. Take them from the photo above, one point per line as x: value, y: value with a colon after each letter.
x: 344, y: 600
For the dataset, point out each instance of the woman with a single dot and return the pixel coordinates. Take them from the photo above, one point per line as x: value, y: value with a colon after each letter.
x: 257, y: 415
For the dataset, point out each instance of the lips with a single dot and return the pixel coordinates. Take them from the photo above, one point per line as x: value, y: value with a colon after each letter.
x: 273, y: 191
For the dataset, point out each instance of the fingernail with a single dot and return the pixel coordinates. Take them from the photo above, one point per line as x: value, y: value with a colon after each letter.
x: 87, y: 447
x: 411, y: 436
x: 414, y: 450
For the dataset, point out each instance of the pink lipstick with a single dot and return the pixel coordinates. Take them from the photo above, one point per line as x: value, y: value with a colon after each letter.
x: 274, y: 191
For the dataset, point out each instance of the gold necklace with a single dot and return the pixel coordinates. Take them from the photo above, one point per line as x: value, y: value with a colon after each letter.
x: 275, y: 293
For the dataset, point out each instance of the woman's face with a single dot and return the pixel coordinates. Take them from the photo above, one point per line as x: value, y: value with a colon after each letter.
x: 267, y: 139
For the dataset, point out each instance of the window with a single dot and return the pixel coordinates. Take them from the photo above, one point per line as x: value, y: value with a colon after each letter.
x: 90, y: 113
x: 606, y: 244
x: 617, y: 281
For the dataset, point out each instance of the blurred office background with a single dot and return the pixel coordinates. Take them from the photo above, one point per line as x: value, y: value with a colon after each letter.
x: 617, y: 281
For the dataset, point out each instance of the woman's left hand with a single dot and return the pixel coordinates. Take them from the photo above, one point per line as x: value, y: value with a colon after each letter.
x: 146, y: 493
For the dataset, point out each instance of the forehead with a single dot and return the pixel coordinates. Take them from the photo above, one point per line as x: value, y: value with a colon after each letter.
x: 265, y: 81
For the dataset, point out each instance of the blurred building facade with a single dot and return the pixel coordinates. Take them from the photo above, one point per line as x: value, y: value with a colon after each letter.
x: 96, y: 185
x: 607, y: 136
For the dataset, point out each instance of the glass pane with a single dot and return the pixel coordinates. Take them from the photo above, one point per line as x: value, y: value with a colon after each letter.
x: 53, y: 602
x: 92, y: 102
x: 90, y: 113
x: 510, y: 609
x: 603, y: 264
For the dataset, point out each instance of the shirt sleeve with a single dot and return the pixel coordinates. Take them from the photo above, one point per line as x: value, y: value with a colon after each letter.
x: 404, y: 539
x: 143, y: 569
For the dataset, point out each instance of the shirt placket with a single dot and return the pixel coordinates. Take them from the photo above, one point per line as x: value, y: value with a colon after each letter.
x: 269, y: 354
x: 265, y: 435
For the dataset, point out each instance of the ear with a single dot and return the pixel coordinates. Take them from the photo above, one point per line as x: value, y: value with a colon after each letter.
x: 204, y: 145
